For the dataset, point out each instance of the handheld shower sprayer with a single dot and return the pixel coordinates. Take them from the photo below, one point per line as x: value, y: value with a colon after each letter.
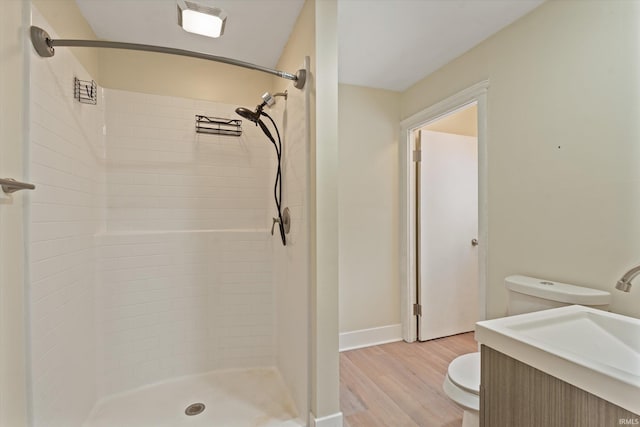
x: 246, y: 113
x: 268, y: 100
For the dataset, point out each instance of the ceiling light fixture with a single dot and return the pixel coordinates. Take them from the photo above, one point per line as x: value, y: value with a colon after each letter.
x: 198, y: 19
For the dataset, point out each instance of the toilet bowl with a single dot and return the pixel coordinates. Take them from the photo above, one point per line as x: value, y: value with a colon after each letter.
x: 525, y: 295
x: 462, y: 385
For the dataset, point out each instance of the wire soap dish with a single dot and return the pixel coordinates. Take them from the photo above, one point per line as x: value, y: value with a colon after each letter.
x: 218, y: 126
x: 85, y: 91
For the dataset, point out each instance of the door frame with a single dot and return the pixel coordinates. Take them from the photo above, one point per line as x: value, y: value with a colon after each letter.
x: 408, y: 262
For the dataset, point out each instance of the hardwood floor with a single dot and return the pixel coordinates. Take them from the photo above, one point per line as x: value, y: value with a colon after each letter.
x: 400, y: 384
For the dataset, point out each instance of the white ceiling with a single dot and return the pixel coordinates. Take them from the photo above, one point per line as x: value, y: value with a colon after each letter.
x: 388, y: 44
x: 392, y: 44
x: 256, y: 30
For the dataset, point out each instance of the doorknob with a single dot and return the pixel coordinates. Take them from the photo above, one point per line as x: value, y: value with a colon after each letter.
x: 474, y: 242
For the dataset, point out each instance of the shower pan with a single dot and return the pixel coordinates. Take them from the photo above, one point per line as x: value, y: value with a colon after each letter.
x: 246, y: 397
x: 157, y: 295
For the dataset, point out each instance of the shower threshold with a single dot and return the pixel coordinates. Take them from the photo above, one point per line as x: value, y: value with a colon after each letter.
x: 255, y: 397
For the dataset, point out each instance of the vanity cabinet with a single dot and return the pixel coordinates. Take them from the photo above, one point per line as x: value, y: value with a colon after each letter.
x: 513, y: 394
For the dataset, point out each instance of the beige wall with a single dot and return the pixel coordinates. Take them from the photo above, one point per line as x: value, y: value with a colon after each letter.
x: 68, y: 22
x: 315, y: 36
x: 325, y: 361
x: 563, y: 152
x: 161, y: 74
x: 13, y: 101
x: 368, y: 207
x: 462, y: 122
x: 301, y: 43
x: 292, y: 262
x: 154, y: 73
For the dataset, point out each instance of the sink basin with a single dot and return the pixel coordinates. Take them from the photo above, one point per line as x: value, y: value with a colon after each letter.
x: 594, y: 350
x: 594, y: 336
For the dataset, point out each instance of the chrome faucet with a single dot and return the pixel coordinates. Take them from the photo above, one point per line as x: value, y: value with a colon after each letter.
x: 624, y: 284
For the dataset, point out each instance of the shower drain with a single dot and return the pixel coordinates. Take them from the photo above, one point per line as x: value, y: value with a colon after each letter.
x: 194, y: 409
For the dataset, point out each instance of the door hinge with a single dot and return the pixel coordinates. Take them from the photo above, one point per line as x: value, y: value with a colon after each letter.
x: 417, y: 310
x: 417, y: 155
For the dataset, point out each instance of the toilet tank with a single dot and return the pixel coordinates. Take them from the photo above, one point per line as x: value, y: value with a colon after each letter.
x: 528, y: 294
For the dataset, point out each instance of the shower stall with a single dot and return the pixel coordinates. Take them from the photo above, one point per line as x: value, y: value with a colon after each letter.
x: 157, y: 294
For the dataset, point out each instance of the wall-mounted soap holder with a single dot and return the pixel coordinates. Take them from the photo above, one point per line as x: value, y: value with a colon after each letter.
x: 218, y: 126
x: 85, y: 91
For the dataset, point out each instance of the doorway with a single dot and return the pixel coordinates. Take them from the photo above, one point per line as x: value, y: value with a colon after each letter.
x: 443, y: 256
x: 446, y: 228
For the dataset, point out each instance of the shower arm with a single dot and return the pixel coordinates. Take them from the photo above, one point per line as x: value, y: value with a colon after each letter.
x: 44, y: 46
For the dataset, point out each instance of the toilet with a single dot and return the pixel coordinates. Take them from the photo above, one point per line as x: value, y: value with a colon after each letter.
x: 525, y: 295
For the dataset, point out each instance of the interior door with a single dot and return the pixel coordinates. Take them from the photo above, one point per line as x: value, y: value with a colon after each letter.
x: 448, y: 217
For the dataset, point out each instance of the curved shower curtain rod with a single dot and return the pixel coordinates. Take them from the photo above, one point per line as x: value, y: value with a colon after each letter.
x: 44, y: 45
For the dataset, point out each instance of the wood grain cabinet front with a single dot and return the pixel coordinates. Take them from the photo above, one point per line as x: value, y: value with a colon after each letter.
x: 514, y: 394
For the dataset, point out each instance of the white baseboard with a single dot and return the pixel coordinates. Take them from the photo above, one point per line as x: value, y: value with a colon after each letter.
x: 368, y: 337
x: 334, y: 420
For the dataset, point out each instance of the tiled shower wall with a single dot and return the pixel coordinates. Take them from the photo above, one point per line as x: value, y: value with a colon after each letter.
x: 186, y: 262
x: 178, y: 303
x: 66, y: 211
x: 163, y: 176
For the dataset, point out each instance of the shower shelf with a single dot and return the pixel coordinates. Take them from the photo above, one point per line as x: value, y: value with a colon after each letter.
x: 85, y: 91
x: 218, y: 126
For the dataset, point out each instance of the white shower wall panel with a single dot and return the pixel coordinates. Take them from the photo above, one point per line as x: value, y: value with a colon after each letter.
x: 292, y: 261
x: 66, y: 163
x: 186, y: 262
x: 179, y: 303
x: 162, y: 175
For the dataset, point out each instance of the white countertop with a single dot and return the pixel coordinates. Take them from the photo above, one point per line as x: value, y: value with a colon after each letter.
x: 594, y: 350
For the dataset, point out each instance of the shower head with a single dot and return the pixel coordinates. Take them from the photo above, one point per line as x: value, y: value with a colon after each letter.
x: 253, y: 116
x: 270, y: 100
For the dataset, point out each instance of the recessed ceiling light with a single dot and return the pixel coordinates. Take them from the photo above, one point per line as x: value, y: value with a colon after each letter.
x: 198, y: 19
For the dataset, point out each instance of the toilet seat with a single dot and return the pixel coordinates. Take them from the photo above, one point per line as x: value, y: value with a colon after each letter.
x: 464, y: 371
x: 462, y: 382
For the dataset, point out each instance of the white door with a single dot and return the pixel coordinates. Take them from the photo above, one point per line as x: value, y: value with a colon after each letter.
x: 448, y: 223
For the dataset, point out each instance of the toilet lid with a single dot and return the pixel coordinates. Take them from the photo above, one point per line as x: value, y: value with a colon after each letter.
x: 464, y: 372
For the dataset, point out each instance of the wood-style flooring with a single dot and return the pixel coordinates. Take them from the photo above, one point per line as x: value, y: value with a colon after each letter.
x: 400, y: 384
